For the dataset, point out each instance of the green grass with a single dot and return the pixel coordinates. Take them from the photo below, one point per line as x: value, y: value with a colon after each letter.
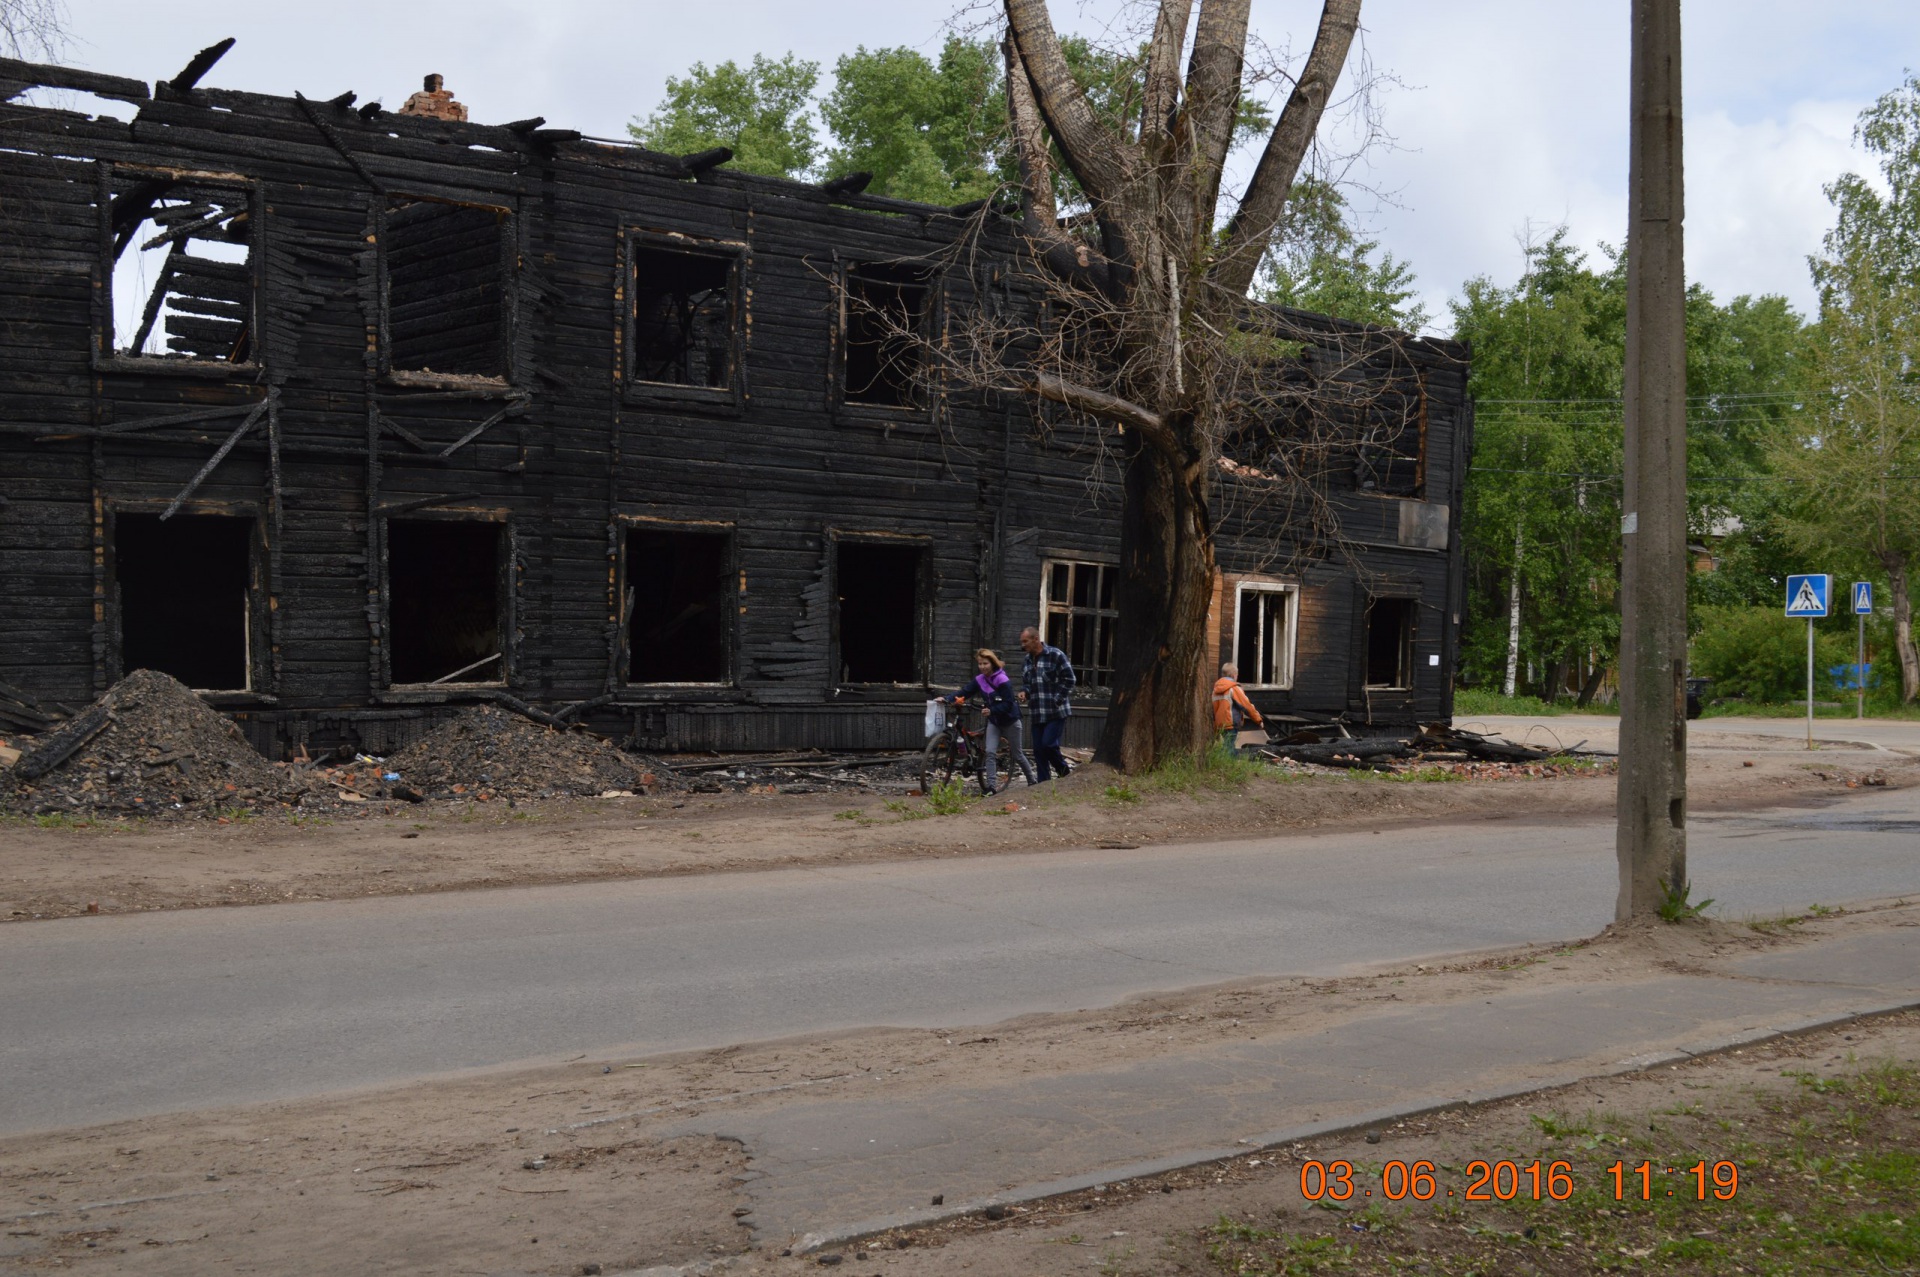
x: 1221, y: 769
x: 1828, y: 1182
x: 948, y: 797
x: 1479, y: 702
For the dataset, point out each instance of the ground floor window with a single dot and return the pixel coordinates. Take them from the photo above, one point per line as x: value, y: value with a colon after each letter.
x: 1389, y: 639
x: 1265, y: 621
x: 186, y: 597
x: 679, y: 605
x: 1077, y: 615
x: 879, y: 627
x: 444, y: 593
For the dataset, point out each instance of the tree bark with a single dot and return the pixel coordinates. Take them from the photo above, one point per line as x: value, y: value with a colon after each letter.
x: 1163, y: 595
x: 1251, y: 229
x: 1896, y: 565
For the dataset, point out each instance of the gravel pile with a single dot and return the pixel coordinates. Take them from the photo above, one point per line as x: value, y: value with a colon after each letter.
x: 487, y: 752
x: 149, y: 746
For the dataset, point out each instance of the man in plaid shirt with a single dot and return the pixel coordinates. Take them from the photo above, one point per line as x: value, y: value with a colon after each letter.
x: 1048, y: 678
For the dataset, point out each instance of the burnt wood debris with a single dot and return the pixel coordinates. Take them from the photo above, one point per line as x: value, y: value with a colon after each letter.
x: 347, y: 417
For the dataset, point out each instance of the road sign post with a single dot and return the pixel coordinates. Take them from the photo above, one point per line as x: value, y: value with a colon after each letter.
x: 1809, y: 595
x: 1862, y: 605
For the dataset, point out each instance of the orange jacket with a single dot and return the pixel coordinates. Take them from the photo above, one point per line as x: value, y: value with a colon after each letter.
x: 1225, y: 693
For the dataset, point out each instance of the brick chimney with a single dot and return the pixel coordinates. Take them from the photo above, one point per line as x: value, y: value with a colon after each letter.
x: 435, y: 102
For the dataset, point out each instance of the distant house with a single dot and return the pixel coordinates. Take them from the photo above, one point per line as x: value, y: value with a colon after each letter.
x: 347, y: 417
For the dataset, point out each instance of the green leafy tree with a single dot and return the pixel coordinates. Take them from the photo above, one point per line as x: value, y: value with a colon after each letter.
x: 1853, y: 462
x: 1542, y: 498
x: 1320, y: 263
x: 926, y: 131
x: 763, y: 112
x: 1542, y: 504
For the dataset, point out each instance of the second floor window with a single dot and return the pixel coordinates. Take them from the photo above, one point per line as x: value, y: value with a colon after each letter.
x: 446, y: 270
x: 183, y: 269
x: 885, y: 316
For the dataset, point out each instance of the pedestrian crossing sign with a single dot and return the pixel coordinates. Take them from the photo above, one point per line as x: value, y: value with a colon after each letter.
x: 1863, y: 597
x: 1808, y: 595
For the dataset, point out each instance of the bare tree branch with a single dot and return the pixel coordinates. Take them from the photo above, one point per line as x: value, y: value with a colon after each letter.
x: 1213, y: 95
x: 1100, y: 404
x: 32, y: 28
x: 1030, y: 146
x: 1252, y: 226
x: 1104, y: 163
x: 1163, y: 73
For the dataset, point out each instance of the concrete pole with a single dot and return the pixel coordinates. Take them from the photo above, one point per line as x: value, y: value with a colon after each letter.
x: 1652, y: 832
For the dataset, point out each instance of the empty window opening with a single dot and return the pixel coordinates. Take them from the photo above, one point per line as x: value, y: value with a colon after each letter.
x: 884, y: 321
x: 445, y: 288
x: 185, y: 597
x: 1390, y: 643
x: 679, y: 606
x: 183, y: 270
x: 1078, y: 617
x: 443, y: 608
x: 879, y: 611
x: 683, y: 316
x: 1263, y: 647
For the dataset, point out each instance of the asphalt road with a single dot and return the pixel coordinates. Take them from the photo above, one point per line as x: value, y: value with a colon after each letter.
x: 117, y: 1016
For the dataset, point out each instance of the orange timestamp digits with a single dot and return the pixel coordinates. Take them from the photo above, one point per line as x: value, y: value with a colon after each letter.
x: 1723, y: 1178
x: 1505, y: 1181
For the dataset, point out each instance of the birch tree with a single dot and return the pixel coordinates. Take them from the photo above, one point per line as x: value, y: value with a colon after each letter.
x: 1853, y: 466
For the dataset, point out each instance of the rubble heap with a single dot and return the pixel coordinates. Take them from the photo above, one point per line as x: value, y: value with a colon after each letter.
x: 488, y: 752
x: 149, y: 746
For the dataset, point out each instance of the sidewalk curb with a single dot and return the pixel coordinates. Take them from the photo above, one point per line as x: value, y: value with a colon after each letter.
x: 920, y: 1218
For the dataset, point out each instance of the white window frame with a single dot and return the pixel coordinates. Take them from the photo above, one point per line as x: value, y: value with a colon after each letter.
x: 1291, y: 616
x: 1065, y: 612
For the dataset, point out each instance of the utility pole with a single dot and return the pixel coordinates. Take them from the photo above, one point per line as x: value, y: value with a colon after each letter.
x: 1652, y: 813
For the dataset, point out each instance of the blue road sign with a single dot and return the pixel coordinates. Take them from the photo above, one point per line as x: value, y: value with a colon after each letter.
x: 1808, y: 595
x: 1863, y: 597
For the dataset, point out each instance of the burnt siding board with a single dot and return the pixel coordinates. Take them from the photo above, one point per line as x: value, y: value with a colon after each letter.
x: 989, y: 496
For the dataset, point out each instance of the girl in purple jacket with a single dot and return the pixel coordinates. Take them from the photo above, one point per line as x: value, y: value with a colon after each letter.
x: 993, y: 690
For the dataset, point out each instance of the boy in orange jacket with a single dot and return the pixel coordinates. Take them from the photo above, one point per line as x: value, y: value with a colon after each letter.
x: 1231, y: 707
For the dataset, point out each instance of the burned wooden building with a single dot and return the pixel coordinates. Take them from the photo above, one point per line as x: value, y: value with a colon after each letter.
x: 347, y: 416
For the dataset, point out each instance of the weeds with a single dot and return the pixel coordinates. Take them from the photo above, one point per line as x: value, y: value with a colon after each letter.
x: 1677, y: 907
x: 948, y: 798
x: 1221, y: 768
x: 906, y: 810
x: 1122, y: 792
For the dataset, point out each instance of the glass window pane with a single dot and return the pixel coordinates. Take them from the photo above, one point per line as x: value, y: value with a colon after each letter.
x: 1107, y: 576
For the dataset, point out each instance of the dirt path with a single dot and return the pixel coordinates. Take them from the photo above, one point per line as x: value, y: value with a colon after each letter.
x: 555, y: 1169
x: 59, y: 869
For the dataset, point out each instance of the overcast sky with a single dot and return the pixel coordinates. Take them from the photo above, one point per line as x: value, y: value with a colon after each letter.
x: 1513, y: 113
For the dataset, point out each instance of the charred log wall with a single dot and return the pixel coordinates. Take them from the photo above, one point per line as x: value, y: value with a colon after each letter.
x: 312, y: 386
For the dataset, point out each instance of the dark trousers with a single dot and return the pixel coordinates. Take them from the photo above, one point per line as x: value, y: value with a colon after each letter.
x: 1047, y: 757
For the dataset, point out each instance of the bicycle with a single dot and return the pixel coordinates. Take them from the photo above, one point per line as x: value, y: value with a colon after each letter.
x: 958, y: 749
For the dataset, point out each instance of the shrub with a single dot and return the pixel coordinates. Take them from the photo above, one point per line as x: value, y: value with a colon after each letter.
x: 1759, y: 654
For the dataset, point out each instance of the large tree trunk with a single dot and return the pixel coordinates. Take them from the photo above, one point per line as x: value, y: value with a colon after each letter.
x: 1896, y: 566
x: 1159, y: 707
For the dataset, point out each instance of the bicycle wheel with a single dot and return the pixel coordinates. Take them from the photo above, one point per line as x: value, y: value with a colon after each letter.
x: 936, y: 762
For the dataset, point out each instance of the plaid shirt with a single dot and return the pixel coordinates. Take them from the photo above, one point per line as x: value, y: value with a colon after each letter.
x: 1048, y: 678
